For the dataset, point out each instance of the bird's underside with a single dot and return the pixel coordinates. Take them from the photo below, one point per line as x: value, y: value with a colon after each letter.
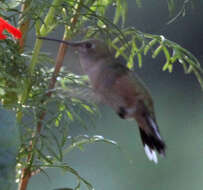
x: 131, y: 103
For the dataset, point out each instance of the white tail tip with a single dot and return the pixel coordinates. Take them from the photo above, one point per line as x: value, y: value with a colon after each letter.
x: 151, y: 154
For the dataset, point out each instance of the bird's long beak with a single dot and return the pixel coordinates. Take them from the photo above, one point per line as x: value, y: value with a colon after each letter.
x: 73, y: 44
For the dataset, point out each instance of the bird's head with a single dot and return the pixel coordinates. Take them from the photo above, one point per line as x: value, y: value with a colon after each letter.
x: 91, y: 48
x: 91, y: 51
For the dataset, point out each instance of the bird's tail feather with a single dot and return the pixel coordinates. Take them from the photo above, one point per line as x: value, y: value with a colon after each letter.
x: 152, y: 141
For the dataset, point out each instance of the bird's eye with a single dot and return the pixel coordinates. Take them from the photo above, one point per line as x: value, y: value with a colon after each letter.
x: 88, y: 45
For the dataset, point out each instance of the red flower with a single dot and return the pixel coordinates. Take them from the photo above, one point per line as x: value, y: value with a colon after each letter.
x: 11, y: 29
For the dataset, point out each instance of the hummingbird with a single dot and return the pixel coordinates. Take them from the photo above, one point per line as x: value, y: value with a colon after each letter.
x: 118, y: 87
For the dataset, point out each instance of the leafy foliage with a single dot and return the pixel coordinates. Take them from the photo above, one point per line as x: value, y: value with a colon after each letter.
x: 142, y: 43
x: 13, y: 70
x: 45, y: 113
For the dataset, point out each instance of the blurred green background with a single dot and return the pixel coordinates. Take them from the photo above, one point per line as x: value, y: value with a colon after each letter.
x: 179, y: 109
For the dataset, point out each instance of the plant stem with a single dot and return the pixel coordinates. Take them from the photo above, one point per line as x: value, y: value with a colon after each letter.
x: 48, y: 21
x: 31, y: 69
x: 44, y: 30
x: 26, y: 172
x: 24, y: 25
